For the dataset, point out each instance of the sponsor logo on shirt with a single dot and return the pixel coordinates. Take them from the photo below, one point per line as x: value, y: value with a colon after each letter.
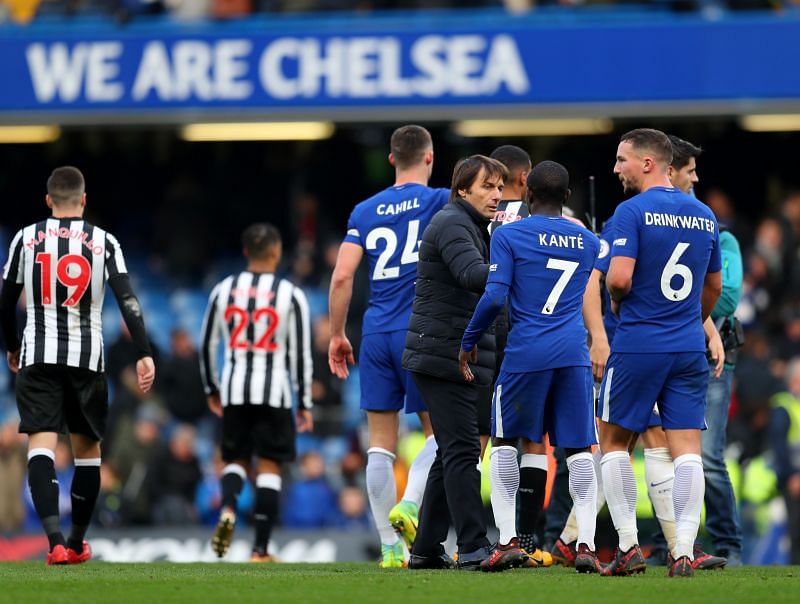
x: 621, y: 241
x: 492, y: 268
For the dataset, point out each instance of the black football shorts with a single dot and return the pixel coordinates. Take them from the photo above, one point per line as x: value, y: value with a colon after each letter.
x: 258, y: 430
x: 56, y: 398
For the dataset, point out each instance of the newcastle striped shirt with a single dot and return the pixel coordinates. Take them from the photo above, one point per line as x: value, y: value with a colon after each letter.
x: 63, y: 265
x: 264, y: 324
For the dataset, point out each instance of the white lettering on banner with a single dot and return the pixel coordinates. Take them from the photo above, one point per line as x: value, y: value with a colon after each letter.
x: 58, y: 72
x: 206, y: 71
x: 370, y: 67
x: 358, y: 67
x: 196, y: 550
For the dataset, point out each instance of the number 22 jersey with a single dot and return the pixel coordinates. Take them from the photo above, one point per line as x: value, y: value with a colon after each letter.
x: 264, y: 324
x: 389, y: 226
x: 675, y: 241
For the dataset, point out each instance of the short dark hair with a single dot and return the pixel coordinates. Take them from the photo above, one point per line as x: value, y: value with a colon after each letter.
x: 66, y: 186
x: 409, y: 144
x: 682, y: 151
x: 512, y: 157
x: 548, y: 182
x: 258, y: 239
x: 467, y: 170
x: 652, y: 140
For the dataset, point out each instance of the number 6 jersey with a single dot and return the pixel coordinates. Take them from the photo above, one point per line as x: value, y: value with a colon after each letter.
x: 263, y: 322
x: 675, y: 241
x: 64, y: 264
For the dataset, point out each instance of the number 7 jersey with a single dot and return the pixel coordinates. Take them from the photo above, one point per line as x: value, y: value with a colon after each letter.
x: 63, y: 264
x: 389, y: 226
x: 675, y: 241
x: 263, y: 322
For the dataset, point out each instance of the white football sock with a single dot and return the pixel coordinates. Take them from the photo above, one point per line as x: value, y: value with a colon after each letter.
x: 570, y: 532
x: 687, y: 497
x: 504, y: 474
x: 583, y: 488
x: 619, y: 485
x: 418, y: 472
x: 382, y: 491
x: 659, y: 472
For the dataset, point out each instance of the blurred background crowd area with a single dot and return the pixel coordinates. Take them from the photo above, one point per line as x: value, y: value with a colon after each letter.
x: 25, y: 11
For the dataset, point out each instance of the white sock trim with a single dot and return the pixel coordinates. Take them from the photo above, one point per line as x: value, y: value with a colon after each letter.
x: 534, y: 460
x: 577, y: 456
x: 41, y: 451
x: 614, y: 455
x: 659, y: 454
x: 688, y: 458
x: 381, y: 451
x: 268, y: 481
x: 235, y: 468
x: 501, y: 448
x: 87, y: 462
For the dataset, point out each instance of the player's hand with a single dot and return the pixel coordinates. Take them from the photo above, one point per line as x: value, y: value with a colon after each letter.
x: 575, y: 220
x: 145, y: 373
x: 13, y: 360
x: 305, y: 420
x: 215, y: 404
x: 717, y: 352
x: 340, y: 355
x: 793, y: 485
x: 598, y: 355
x: 464, y: 358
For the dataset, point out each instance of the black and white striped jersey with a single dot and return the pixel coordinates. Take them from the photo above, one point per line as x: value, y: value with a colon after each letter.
x: 63, y: 265
x: 264, y: 324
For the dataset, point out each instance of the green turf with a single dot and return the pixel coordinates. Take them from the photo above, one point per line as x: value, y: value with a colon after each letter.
x: 354, y: 583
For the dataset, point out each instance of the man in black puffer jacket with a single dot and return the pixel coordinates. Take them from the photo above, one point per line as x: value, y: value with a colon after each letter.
x: 451, y: 275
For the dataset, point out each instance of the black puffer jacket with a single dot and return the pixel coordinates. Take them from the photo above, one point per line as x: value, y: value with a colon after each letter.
x: 451, y: 275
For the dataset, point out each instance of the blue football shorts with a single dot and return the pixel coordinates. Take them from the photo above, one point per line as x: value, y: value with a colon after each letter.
x: 556, y: 402
x: 385, y: 385
x: 676, y: 381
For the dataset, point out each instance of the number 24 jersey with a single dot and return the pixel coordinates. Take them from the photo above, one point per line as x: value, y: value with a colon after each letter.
x: 389, y: 226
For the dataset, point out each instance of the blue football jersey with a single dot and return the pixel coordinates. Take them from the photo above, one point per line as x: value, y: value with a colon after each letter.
x: 610, y: 320
x: 546, y: 262
x: 389, y: 226
x: 675, y: 240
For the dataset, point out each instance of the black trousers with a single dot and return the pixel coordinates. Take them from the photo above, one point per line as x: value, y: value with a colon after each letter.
x: 453, y: 490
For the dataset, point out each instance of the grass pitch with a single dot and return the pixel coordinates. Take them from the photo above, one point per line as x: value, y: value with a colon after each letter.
x: 353, y: 583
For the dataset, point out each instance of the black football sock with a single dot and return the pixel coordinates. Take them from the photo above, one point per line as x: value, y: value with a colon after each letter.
x: 532, y: 483
x: 44, y: 492
x: 84, y: 491
x: 265, y: 511
x: 231, y: 485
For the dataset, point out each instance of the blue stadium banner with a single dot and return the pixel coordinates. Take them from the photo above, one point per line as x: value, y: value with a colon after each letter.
x: 307, y: 67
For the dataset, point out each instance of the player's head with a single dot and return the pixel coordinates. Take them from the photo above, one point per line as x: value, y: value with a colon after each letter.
x: 66, y: 188
x: 518, y: 163
x: 548, y: 186
x: 682, y: 171
x: 411, y: 146
x: 642, y: 154
x: 261, y: 242
x: 479, y: 181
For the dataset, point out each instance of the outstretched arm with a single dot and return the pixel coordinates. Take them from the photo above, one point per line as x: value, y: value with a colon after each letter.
x: 340, y: 351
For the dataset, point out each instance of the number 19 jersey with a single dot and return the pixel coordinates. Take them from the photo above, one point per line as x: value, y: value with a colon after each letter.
x: 64, y: 264
x: 675, y: 241
x: 389, y: 226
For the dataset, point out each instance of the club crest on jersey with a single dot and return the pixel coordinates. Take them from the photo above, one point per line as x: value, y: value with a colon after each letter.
x: 604, y: 249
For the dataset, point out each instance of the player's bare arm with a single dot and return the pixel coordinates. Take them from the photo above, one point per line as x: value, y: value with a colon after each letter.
x: 715, y: 347
x: 712, y: 290
x: 599, y: 350
x: 619, y: 279
x: 340, y: 351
